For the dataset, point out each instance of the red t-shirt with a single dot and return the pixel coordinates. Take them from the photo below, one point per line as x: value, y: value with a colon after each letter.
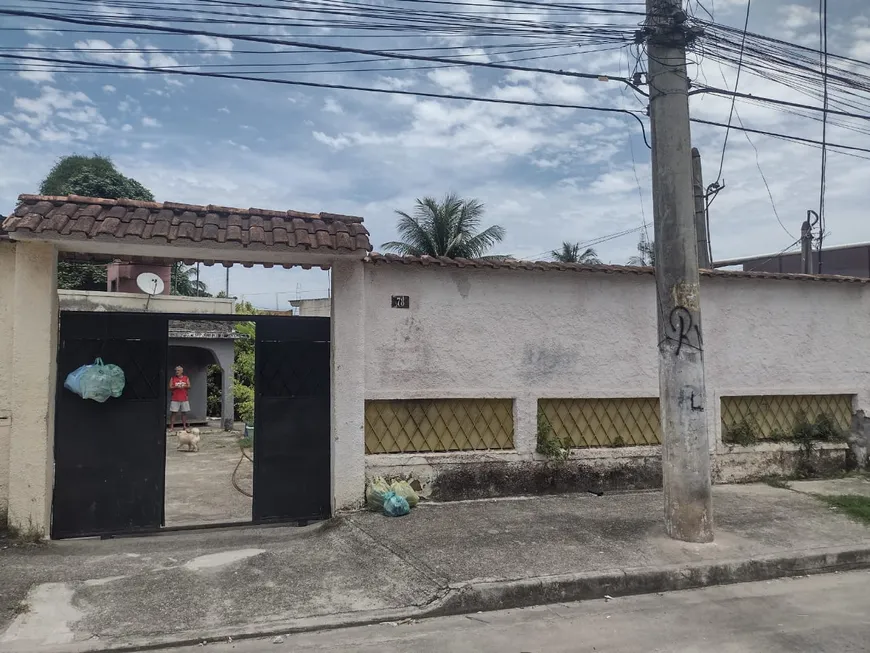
x: 179, y: 393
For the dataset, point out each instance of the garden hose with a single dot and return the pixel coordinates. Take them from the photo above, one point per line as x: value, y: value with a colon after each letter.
x: 236, y: 471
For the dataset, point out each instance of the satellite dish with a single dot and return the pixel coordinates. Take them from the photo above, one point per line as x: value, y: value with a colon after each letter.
x: 149, y: 283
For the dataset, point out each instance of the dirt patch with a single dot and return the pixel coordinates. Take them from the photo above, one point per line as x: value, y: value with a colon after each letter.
x: 199, y: 485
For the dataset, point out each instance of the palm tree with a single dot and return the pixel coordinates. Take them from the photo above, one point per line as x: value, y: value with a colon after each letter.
x: 646, y: 252
x: 184, y: 282
x: 447, y: 228
x: 570, y: 253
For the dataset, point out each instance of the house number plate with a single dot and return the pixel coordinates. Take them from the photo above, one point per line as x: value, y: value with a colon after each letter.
x: 400, y: 301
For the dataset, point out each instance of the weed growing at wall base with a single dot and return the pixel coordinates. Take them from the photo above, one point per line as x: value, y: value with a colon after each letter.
x: 548, y: 444
x: 747, y: 431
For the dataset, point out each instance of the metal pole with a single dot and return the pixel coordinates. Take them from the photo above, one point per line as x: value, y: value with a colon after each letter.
x: 685, y: 444
x: 228, y: 282
x: 700, y: 211
x: 806, y: 247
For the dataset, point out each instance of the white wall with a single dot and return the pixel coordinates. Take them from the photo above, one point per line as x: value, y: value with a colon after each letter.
x: 80, y: 300
x: 530, y: 334
x: 321, y: 307
x: 7, y: 288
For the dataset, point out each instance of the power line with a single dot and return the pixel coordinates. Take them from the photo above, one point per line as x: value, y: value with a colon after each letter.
x: 446, y: 96
x: 314, y: 46
x: 788, y: 137
x: 823, y: 37
x: 764, y: 179
x: 734, y: 98
x: 633, y: 114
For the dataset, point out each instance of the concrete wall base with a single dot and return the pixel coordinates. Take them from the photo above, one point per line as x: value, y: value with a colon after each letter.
x: 453, y: 477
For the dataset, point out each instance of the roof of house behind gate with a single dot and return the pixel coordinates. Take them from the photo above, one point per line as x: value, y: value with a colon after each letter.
x: 74, y: 217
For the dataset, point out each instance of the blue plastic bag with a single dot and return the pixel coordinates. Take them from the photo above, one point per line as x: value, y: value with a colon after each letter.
x: 395, y: 506
x: 74, y: 379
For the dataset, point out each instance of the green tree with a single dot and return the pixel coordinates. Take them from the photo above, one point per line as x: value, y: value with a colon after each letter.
x: 92, y: 176
x: 183, y: 281
x: 646, y: 252
x: 243, y: 369
x: 449, y: 228
x: 243, y: 365
x: 570, y: 253
x: 71, y: 166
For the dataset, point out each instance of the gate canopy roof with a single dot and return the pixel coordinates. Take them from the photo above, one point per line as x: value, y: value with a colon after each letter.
x: 135, y: 229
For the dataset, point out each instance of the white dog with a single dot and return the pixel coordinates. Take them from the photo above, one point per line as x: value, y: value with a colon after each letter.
x: 190, y: 438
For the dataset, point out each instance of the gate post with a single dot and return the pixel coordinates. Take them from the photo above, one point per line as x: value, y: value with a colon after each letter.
x: 32, y: 396
x: 348, y: 385
x: 7, y: 293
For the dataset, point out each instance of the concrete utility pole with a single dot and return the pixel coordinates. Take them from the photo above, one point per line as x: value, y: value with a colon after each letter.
x: 685, y: 445
x: 806, y: 247
x: 700, y: 211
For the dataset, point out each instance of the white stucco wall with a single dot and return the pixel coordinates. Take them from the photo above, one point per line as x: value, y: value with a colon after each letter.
x: 320, y: 307
x: 531, y: 334
x: 34, y: 364
x: 80, y: 300
x: 7, y: 288
x: 348, y: 385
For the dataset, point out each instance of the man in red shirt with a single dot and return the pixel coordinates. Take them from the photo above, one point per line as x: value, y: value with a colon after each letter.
x: 179, y: 385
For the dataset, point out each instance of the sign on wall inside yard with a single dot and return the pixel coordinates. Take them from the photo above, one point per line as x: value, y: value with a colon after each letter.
x: 401, y: 301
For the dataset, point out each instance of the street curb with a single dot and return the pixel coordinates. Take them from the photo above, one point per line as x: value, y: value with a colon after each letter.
x: 465, y: 598
x: 501, y: 595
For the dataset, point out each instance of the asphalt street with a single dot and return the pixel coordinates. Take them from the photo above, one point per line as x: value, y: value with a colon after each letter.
x: 821, y: 614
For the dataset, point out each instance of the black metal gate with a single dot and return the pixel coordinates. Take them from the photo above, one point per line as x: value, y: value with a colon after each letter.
x: 109, y: 457
x: 292, y: 419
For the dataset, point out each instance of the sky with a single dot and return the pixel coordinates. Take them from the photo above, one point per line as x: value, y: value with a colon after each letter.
x: 546, y: 175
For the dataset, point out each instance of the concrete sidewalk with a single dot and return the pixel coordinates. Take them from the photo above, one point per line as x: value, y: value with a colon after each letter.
x: 365, y: 568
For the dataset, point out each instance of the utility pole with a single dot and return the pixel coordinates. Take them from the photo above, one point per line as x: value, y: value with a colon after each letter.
x: 806, y: 247
x: 700, y: 211
x: 809, y: 224
x: 682, y: 394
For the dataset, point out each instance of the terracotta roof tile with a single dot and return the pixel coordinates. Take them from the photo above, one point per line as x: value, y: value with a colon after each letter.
x: 78, y: 217
x: 375, y: 258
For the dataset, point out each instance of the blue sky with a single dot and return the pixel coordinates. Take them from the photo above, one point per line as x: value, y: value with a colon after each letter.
x: 545, y: 174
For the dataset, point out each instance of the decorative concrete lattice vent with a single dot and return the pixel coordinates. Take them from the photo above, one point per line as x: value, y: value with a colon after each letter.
x: 438, y: 425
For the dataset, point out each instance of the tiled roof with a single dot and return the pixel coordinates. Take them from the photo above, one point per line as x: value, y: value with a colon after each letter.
x: 514, y: 264
x: 204, y: 329
x: 131, y: 221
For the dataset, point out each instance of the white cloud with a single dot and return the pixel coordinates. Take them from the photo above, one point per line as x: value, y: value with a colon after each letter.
x: 224, y: 45
x: 161, y: 60
x: 18, y: 136
x: 336, y: 143
x: 223, y: 110
x: 108, y: 88
x: 37, y: 76
x: 129, y: 53
x: 239, y: 146
x: 453, y: 80
x: 41, y: 32
x: 148, y: 121
x: 37, y: 111
x: 148, y: 146
x: 50, y: 135
x: 331, y: 105
x: 126, y: 127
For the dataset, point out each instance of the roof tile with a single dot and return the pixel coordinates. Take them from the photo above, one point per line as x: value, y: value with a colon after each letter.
x: 375, y: 258
x: 74, y: 216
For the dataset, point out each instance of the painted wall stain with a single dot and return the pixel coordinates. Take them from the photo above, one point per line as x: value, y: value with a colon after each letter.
x: 546, y: 360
